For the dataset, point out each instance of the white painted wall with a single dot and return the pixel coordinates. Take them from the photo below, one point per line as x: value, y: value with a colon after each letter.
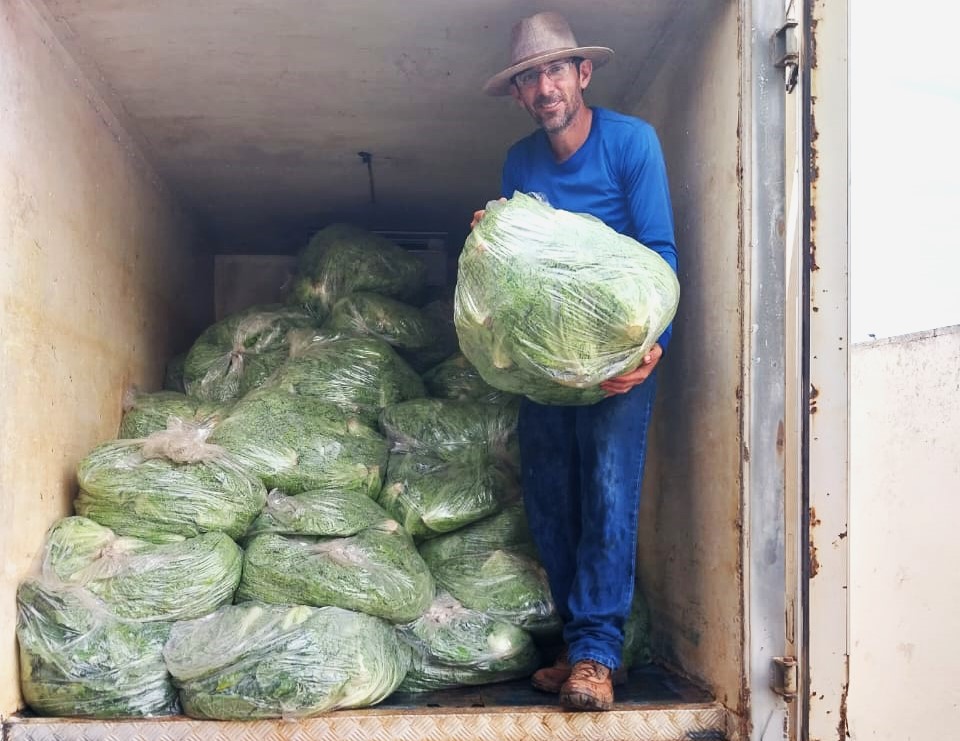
x: 98, y: 284
x: 905, y: 510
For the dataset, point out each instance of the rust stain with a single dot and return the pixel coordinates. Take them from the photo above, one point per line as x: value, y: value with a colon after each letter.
x: 814, y: 561
x: 842, y: 535
x: 814, y: 520
x: 781, y: 437
x: 843, y: 727
x: 814, y: 392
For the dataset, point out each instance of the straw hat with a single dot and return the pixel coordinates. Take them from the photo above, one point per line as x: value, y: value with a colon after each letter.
x: 539, y: 39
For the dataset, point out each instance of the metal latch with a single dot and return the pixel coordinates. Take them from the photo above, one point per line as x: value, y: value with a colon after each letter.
x: 785, y: 677
x: 787, y: 52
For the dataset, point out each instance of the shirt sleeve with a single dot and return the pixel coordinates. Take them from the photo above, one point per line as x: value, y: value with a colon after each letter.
x: 648, y: 199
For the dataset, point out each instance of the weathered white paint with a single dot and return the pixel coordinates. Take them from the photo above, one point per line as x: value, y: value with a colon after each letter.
x: 97, y: 286
x: 905, y: 505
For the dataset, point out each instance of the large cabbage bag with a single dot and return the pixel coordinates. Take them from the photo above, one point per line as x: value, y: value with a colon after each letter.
x: 377, y: 571
x: 430, y: 496
x: 454, y: 646
x: 550, y: 303
x: 506, y: 530
x: 327, y: 513
x: 239, y: 353
x: 456, y: 379
x: 145, y: 413
x: 78, y: 660
x: 251, y: 661
x: 502, y: 583
x: 144, y: 581
x: 300, y: 443
x: 172, y: 483
x: 342, y: 259
x: 359, y: 375
x: 450, y: 428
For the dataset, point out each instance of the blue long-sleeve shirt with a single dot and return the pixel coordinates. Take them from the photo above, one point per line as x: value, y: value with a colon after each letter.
x: 618, y: 175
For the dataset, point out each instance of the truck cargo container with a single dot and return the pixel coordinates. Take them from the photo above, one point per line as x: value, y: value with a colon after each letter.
x: 155, y: 156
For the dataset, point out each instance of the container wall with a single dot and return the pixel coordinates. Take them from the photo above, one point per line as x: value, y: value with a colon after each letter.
x: 98, y: 287
x: 690, y: 518
x: 904, y: 481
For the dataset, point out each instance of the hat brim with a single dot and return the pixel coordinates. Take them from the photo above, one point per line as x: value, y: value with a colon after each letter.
x: 500, y: 83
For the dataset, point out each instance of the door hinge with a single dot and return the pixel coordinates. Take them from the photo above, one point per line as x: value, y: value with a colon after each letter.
x: 785, y: 677
x: 786, y: 45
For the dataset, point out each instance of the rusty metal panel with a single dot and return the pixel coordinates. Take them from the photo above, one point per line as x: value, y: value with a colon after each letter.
x: 704, y: 722
x: 827, y: 395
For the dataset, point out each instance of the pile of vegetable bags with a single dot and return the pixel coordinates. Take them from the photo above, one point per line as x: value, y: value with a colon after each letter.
x: 320, y: 510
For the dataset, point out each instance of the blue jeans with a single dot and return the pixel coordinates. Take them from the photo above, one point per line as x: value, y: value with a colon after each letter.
x: 582, y: 468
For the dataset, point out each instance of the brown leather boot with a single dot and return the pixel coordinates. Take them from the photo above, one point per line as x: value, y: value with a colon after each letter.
x: 590, y: 687
x: 551, y: 678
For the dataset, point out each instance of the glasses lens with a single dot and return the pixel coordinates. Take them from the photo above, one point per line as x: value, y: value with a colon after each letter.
x: 555, y: 71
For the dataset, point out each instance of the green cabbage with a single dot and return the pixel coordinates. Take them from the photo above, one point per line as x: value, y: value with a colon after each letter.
x: 429, y: 496
x: 550, y: 304
x: 144, y: 581
x: 450, y: 428
x: 251, y: 661
x: 170, y: 484
x: 147, y: 413
x: 299, y: 443
x: 359, y: 375
x: 76, y: 659
x: 507, y: 530
x: 454, y: 646
x: 342, y: 259
x: 239, y: 353
x: 455, y: 378
x: 327, y: 513
x: 377, y: 571
x: 407, y: 328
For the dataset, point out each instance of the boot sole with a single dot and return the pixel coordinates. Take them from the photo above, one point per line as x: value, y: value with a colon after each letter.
x: 584, y: 702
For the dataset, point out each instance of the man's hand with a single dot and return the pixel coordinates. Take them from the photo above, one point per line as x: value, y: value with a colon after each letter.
x: 477, y: 215
x: 622, y: 384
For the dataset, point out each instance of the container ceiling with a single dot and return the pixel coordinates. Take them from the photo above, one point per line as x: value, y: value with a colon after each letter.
x: 254, y: 111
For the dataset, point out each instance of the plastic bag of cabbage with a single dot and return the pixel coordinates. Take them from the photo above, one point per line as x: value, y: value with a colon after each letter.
x: 239, y: 353
x: 488, y: 567
x: 454, y: 646
x: 300, y: 443
x: 550, y: 303
x: 359, y: 375
x: 170, y: 485
x: 144, y: 413
x: 77, y: 659
x: 252, y: 661
x: 376, y: 569
x: 144, y: 581
x: 342, y: 259
x: 456, y: 379
x: 430, y: 496
x: 321, y: 513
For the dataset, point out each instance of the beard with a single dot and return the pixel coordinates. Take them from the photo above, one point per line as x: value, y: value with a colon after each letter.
x: 556, y: 121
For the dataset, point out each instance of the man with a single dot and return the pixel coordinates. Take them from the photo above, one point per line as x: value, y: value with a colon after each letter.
x: 583, y: 466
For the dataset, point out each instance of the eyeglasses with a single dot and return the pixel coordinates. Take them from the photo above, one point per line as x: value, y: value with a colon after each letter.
x: 556, y: 71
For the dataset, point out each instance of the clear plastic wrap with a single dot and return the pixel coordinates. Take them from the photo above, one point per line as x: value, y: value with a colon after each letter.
x: 144, y: 413
x: 506, y: 530
x: 359, y: 375
x: 325, y: 513
x: 454, y: 646
x: 550, y: 303
x: 450, y: 428
x: 456, y: 379
x: 78, y: 660
x: 405, y: 327
x: 377, y: 571
x: 506, y: 584
x: 172, y: 483
x: 252, y: 661
x: 342, y: 259
x: 239, y: 353
x: 299, y: 443
x: 430, y: 496
x: 144, y: 581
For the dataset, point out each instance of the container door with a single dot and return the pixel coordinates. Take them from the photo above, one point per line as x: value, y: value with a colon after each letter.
x: 795, y: 461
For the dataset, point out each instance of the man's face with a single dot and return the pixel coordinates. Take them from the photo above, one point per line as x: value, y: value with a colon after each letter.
x: 552, y: 93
